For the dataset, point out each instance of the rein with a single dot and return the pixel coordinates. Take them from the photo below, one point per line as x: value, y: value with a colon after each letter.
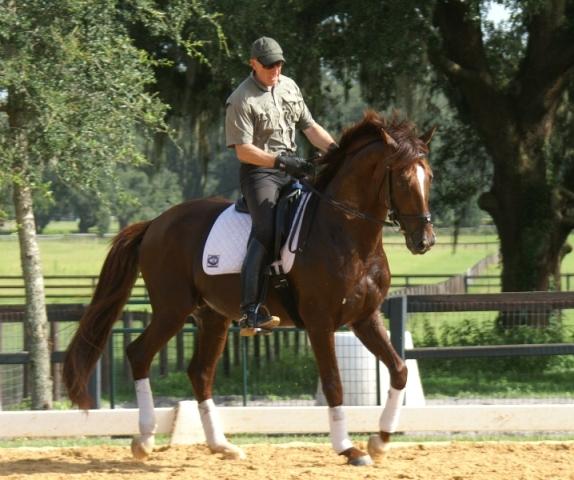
x: 394, y: 217
x: 348, y: 209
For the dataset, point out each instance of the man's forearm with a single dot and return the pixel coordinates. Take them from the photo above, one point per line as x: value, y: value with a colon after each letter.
x: 253, y: 155
x: 319, y: 137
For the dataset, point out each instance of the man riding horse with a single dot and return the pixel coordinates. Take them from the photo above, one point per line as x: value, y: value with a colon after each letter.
x: 261, y: 117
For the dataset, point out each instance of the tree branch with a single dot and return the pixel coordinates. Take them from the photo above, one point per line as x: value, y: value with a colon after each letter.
x: 549, y: 59
x: 456, y: 71
x: 464, y: 55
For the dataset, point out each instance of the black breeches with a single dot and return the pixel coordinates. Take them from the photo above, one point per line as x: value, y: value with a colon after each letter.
x: 261, y: 190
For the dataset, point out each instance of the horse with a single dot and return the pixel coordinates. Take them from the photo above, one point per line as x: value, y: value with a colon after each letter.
x: 340, y: 277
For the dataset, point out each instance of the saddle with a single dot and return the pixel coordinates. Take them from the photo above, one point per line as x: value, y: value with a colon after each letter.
x: 288, y: 216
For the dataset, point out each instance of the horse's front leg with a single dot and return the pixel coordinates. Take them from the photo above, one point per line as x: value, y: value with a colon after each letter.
x: 373, y: 335
x: 323, y: 343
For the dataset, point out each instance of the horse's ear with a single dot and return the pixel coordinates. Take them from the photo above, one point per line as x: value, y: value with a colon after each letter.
x: 427, y: 137
x: 388, y: 139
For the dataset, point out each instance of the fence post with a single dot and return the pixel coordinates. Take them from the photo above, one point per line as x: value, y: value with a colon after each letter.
x: 244, y: 347
x: 111, y: 371
x: 55, y: 368
x: 95, y: 386
x: 180, y: 352
x: 397, y: 321
x: 1, y: 389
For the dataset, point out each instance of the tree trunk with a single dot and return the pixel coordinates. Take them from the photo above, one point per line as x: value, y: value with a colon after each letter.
x: 515, y: 120
x: 531, y: 237
x: 36, y: 317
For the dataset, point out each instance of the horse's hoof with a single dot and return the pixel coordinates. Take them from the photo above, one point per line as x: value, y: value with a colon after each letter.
x: 361, y: 461
x: 142, y: 447
x: 378, y: 446
x: 356, y: 457
x: 230, y: 452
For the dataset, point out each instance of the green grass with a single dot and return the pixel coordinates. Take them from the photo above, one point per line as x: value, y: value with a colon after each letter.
x: 473, y: 379
x: 73, y: 256
x: 84, y: 256
x: 437, y: 260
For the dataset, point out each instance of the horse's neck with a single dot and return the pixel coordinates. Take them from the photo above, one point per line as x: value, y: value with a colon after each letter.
x: 358, y: 186
x: 359, y: 191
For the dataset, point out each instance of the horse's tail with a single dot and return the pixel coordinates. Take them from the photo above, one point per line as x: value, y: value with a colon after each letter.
x: 118, y: 275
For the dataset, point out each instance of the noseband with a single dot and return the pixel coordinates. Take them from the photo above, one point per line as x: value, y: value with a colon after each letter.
x: 393, y: 215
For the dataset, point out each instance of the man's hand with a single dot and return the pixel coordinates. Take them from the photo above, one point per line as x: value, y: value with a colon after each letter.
x: 295, y: 166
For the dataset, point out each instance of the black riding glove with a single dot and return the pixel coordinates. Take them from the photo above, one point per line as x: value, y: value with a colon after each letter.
x: 295, y: 166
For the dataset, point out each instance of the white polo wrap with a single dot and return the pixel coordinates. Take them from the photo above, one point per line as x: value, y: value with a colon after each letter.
x: 212, y: 426
x: 389, y: 420
x: 338, y: 428
x: 144, y: 396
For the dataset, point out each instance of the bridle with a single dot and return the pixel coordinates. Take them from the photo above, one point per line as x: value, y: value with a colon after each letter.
x: 393, y: 215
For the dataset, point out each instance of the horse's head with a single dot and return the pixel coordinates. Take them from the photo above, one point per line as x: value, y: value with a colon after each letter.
x: 407, y: 180
x: 381, y: 167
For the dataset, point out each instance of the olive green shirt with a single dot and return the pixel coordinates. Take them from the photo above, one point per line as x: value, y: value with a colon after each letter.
x: 266, y: 117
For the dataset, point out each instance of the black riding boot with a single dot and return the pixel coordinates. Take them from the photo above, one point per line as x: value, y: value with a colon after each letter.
x: 254, y: 316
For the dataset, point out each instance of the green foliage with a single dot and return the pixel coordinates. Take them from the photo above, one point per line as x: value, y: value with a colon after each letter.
x: 473, y: 332
x: 143, y: 197
x: 76, y: 89
x: 292, y: 375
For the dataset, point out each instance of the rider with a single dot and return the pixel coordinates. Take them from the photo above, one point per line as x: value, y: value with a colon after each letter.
x: 261, y: 117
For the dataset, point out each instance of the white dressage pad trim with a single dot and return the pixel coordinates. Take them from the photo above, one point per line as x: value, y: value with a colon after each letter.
x: 227, y: 241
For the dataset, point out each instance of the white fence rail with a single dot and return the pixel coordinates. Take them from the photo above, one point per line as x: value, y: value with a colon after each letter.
x: 183, y: 421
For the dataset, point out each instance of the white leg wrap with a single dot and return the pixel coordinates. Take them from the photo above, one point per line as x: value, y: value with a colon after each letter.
x: 389, y: 420
x: 212, y: 426
x: 338, y: 428
x: 147, y: 423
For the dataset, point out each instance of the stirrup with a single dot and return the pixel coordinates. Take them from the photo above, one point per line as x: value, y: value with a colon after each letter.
x: 257, y: 321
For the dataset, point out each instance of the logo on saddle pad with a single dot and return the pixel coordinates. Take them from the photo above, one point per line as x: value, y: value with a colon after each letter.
x: 213, y: 261
x: 226, y: 244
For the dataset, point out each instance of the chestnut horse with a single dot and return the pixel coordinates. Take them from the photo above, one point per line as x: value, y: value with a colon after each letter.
x: 340, y: 278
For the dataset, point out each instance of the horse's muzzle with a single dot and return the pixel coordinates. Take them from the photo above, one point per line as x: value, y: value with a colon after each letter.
x: 421, y: 240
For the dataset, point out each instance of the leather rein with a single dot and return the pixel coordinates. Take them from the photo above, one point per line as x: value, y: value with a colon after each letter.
x: 394, y: 216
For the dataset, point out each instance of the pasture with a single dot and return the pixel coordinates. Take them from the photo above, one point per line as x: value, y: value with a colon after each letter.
x: 83, y: 255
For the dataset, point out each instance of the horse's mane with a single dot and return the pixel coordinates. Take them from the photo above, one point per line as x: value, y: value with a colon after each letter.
x: 402, y: 131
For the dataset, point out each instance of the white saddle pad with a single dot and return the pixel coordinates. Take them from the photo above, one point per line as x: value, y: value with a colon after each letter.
x: 227, y: 241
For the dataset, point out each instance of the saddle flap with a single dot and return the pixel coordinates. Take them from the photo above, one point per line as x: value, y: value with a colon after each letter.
x: 226, y: 243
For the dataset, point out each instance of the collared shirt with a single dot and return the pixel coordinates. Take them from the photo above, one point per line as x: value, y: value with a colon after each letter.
x: 266, y: 117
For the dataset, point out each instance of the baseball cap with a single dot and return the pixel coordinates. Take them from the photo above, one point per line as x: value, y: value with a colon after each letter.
x: 267, y: 51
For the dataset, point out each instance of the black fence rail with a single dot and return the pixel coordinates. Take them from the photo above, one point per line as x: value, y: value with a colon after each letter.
x: 60, y: 288
x: 247, y: 364
x: 113, y: 371
x: 529, y: 308
x: 79, y: 288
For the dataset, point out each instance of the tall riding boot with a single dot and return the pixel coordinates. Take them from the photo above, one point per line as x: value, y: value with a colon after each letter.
x: 254, y: 317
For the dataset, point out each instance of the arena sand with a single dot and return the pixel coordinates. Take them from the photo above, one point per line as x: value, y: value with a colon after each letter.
x: 444, y: 461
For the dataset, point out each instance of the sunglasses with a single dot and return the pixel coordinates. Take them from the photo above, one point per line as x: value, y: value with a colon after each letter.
x: 272, y: 65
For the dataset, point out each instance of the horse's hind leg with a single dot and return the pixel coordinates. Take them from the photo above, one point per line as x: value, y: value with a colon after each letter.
x: 164, y: 325
x: 373, y: 335
x: 212, y: 335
